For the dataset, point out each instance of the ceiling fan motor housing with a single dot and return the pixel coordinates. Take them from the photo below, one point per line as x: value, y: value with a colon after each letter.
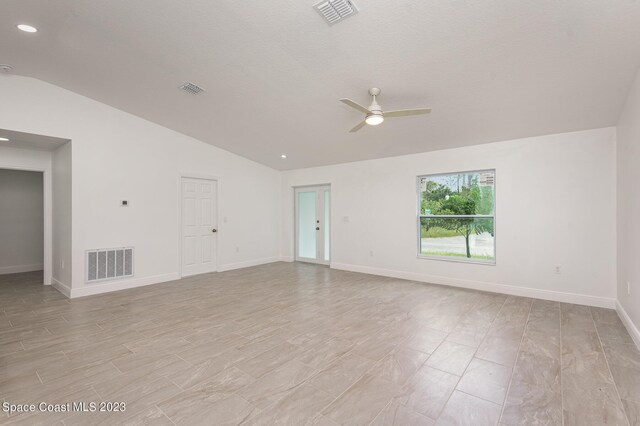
x: 375, y: 108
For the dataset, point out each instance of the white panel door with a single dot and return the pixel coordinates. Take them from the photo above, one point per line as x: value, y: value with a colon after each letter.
x: 199, y: 226
x: 312, y: 229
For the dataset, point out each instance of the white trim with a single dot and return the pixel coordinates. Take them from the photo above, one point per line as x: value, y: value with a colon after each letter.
x: 458, y: 259
x: 48, y: 224
x: 21, y: 268
x: 91, y: 289
x: 285, y: 259
x: 61, y: 287
x: 247, y: 264
x: 199, y: 176
x: 320, y: 209
x: 557, y: 296
x: 106, y: 287
x: 630, y: 326
x: 493, y: 216
x: 47, y: 189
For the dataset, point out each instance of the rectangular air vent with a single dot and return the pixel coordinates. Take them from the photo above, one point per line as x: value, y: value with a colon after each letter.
x: 109, y: 264
x: 334, y: 11
x: 191, y: 88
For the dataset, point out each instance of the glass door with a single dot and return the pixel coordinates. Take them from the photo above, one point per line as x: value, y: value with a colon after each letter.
x: 312, y: 227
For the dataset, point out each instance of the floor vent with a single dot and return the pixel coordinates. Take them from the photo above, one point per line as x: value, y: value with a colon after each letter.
x: 109, y: 264
x: 334, y: 11
x: 191, y: 88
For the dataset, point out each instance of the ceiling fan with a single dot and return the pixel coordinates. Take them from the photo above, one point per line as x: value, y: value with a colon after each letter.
x: 374, y: 114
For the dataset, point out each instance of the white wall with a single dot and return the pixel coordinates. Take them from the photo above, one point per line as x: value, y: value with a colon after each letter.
x: 629, y: 210
x: 35, y: 160
x: 62, y: 215
x: 117, y: 156
x: 21, y: 221
x: 555, y: 205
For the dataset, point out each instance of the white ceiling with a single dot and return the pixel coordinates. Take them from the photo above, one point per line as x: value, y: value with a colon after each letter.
x: 274, y: 71
x: 30, y: 141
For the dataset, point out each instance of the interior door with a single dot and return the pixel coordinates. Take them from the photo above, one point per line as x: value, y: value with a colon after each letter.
x: 312, y: 227
x: 199, y: 226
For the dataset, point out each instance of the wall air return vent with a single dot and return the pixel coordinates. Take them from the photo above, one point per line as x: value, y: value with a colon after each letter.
x: 109, y: 264
x: 191, y: 88
x: 334, y: 11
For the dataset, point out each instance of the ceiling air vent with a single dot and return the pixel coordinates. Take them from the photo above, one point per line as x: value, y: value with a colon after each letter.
x: 191, y: 88
x: 334, y: 11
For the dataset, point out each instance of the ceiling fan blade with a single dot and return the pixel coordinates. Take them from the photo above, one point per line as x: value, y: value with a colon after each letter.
x: 358, y: 127
x: 355, y: 105
x: 405, y: 112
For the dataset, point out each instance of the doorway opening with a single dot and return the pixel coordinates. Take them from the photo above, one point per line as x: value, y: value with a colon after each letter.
x: 313, y: 224
x: 22, y: 222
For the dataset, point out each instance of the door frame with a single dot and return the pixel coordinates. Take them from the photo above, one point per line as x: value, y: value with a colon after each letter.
x: 212, y: 178
x: 295, y: 226
x: 47, y: 189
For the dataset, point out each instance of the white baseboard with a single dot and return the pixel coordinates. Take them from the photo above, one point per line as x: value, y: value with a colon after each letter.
x: 556, y: 296
x: 247, y: 264
x: 626, y: 320
x: 106, y: 287
x: 20, y: 268
x: 61, y: 287
x: 285, y: 259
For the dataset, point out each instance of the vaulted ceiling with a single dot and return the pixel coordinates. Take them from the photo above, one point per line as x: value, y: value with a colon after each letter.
x: 274, y: 70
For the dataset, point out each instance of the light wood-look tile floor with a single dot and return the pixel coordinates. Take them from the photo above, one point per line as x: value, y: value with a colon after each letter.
x: 302, y: 344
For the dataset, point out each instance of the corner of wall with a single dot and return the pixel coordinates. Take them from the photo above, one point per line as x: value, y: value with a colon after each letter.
x: 627, y: 232
x: 628, y: 323
x: 61, y: 287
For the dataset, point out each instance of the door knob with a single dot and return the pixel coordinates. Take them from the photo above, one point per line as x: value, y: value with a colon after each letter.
x: 317, y: 228
x: 214, y: 230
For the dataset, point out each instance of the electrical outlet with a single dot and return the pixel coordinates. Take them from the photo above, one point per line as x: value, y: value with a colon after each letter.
x: 371, y: 253
x: 237, y: 249
x: 629, y: 288
x: 557, y: 269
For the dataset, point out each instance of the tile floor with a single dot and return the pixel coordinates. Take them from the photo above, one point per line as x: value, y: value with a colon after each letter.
x: 302, y: 344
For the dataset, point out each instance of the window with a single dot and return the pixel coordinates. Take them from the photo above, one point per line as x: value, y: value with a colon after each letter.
x: 456, y: 217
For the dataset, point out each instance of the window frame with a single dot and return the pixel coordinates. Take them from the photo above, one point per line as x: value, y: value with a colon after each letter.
x: 419, y: 216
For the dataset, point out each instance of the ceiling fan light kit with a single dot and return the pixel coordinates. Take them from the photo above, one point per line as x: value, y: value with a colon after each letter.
x: 374, y: 119
x: 374, y: 114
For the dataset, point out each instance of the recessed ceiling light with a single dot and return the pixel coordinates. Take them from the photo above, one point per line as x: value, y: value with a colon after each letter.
x: 27, y: 28
x: 4, y: 139
x: 283, y: 156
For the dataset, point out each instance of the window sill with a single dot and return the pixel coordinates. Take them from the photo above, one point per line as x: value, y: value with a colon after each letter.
x: 458, y: 260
